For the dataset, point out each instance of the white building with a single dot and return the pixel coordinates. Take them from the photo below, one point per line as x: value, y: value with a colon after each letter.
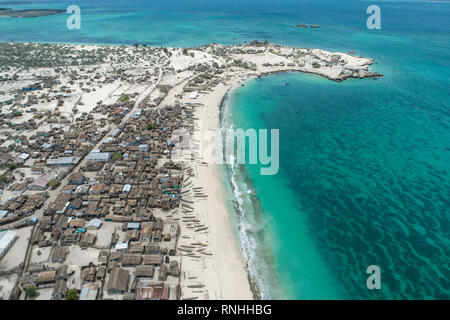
x: 3, y: 213
x: 7, y: 239
x: 193, y: 95
x: 99, y: 156
x: 115, y: 133
x: 121, y: 246
x: 143, y: 148
x: 94, y: 224
x: 126, y: 188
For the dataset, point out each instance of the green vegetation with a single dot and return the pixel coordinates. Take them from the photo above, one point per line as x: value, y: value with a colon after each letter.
x: 136, y: 45
x: 150, y: 126
x: 2, y: 178
x: 31, y: 55
x: 123, y: 98
x: 316, y: 65
x: 72, y: 294
x: 12, y: 166
x: 117, y: 156
x: 31, y: 292
x: 53, y: 183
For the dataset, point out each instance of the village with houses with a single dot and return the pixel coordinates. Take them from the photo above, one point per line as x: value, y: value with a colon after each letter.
x: 92, y: 205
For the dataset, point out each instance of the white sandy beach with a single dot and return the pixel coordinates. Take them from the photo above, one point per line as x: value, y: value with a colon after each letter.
x: 231, y: 267
x: 224, y: 273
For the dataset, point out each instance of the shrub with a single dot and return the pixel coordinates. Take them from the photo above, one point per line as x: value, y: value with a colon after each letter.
x: 72, y: 294
x: 123, y: 98
x: 31, y: 291
x: 53, y: 183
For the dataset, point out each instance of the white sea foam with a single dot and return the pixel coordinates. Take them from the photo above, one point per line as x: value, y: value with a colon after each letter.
x: 248, y: 242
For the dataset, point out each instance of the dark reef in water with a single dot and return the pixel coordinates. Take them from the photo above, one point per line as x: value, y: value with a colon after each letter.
x: 31, y: 13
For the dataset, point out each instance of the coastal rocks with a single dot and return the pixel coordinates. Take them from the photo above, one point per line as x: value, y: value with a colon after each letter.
x: 256, y: 43
x: 335, y: 58
x: 354, y: 72
x: 369, y: 62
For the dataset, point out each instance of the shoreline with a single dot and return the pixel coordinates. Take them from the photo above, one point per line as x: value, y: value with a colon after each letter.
x: 254, y: 287
x: 231, y: 266
x: 237, y: 209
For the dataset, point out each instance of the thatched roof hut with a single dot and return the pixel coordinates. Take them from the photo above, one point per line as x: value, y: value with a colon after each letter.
x: 60, y: 289
x: 145, y: 271
x: 131, y: 259
x: 162, y: 276
x: 152, y: 248
x: 46, y: 277
x: 152, y: 259
x: 87, y: 239
x: 174, y: 268
x: 118, y: 281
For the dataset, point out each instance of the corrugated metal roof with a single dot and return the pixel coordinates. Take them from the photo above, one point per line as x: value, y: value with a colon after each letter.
x: 61, y: 161
x: 89, y: 291
x: 6, y: 240
x: 133, y: 225
x: 122, y: 245
x: 95, y: 223
x: 99, y: 156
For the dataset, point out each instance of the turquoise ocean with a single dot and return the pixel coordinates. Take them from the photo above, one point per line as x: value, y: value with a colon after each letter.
x: 364, y: 165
